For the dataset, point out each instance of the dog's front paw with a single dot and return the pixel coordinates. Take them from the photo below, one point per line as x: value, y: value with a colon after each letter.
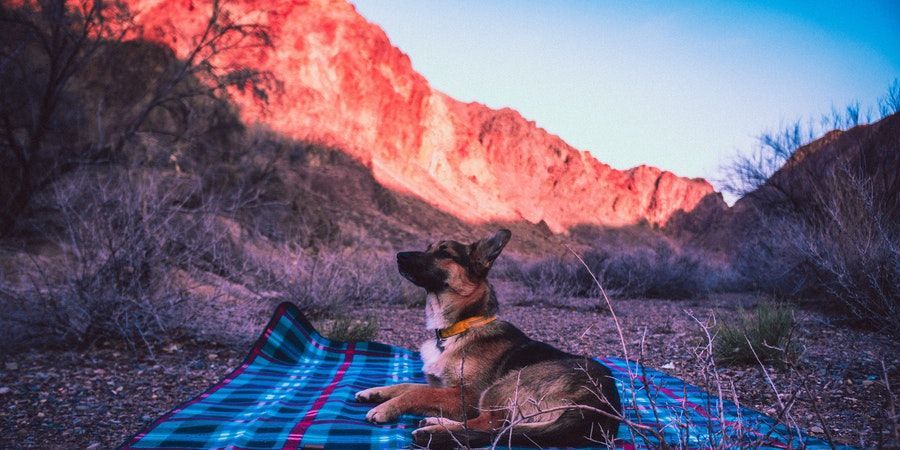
x: 382, y: 413
x: 422, y: 437
x: 372, y: 395
x: 442, y: 421
x: 435, y: 437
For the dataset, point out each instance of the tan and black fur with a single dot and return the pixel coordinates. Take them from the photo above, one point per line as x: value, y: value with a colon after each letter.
x: 492, y: 375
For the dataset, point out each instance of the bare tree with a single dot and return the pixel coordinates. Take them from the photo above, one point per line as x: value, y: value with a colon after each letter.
x: 221, y: 35
x: 752, y: 169
x: 890, y: 102
x: 45, y: 45
x: 45, y: 51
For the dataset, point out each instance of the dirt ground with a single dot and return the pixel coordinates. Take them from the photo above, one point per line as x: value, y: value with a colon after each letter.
x: 98, y: 397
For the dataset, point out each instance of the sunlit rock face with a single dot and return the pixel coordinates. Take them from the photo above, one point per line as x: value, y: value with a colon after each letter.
x: 344, y: 84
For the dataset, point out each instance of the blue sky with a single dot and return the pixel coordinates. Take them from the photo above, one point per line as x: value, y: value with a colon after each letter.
x: 678, y: 85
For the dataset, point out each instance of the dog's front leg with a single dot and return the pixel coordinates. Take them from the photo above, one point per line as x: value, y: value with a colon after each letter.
x: 450, y: 402
x: 383, y: 393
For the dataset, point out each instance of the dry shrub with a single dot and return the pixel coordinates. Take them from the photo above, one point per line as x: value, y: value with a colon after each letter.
x: 557, y: 277
x: 662, y: 271
x: 323, y: 283
x: 842, y: 244
x: 128, y: 236
x: 148, y: 256
x: 853, y: 248
x: 656, y: 270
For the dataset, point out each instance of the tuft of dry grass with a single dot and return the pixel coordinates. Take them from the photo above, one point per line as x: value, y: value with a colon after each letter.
x: 348, y: 329
x: 765, y: 334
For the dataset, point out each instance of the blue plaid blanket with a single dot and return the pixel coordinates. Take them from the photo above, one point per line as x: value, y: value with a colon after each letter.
x: 296, y: 390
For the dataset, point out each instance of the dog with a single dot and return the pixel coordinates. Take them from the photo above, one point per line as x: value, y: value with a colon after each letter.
x: 487, y: 381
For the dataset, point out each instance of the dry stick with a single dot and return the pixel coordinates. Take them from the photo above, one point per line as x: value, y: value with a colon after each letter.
x: 516, y: 400
x: 597, y: 392
x: 644, y: 374
x: 462, y: 402
x: 815, y: 406
x: 778, y: 396
x: 892, y: 402
x: 737, y: 404
x: 708, y: 349
x: 615, y: 318
x: 781, y: 415
x: 462, y: 395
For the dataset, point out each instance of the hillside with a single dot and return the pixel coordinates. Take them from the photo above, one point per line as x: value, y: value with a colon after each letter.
x: 815, y: 177
x: 345, y: 85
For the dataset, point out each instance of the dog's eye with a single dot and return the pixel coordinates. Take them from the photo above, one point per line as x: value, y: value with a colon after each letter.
x: 442, y: 254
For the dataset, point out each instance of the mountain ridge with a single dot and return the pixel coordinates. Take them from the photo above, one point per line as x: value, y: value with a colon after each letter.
x: 346, y: 85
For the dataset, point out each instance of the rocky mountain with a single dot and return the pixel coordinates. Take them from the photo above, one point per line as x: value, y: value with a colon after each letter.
x: 343, y: 84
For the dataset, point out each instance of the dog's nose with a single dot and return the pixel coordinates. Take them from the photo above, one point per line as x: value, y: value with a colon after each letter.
x: 405, y: 256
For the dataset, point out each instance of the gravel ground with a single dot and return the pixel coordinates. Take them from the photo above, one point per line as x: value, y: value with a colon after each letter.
x: 97, y: 398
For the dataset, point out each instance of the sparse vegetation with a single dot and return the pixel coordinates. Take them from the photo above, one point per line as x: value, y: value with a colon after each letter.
x: 764, y: 335
x: 656, y: 269
x: 826, y: 224
x: 348, y: 329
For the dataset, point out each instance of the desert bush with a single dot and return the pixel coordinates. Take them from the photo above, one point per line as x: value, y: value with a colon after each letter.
x: 830, y: 231
x: 347, y: 329
x: 557, y: 277
x: 823, y: 220
x: 851, y: 248
x: 765, y: 334
x: 750, y: 170
x: 147, y: 252
x: 658, y: 270
x: 327, y: 282
x: 131, y: 241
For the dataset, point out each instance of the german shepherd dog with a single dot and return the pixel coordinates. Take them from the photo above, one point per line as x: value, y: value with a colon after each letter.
x: 486, y: 380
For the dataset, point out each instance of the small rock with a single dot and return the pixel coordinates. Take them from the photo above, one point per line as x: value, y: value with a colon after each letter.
x: 868, y: 382
x: 11, y: 366
x: 668, y: 366
x: 212, y: 356
x: 93, y: 446
x: 817, y: 429
x: 5, y: 390
x: 146, y: 417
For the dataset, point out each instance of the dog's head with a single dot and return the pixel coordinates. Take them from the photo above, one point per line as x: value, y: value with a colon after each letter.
x: 450, y: 265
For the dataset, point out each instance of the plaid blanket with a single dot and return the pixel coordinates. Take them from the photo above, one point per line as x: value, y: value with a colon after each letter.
x: 296, y: 390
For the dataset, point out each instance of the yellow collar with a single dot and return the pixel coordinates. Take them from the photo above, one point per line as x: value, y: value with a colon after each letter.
x: 463, y: 325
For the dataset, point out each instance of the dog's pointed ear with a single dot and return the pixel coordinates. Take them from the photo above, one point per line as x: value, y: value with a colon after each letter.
x: 485, y: 251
